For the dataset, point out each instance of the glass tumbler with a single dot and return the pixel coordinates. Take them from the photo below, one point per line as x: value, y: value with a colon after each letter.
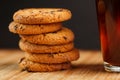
x: 108, y: 14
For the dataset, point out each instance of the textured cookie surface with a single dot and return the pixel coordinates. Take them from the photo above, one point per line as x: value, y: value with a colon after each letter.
x: 41, y: 15
x: 33, y: 29
x: 39, y: 67
x: 33, y: 48
x: 62, y: 36
x: 53, y: 58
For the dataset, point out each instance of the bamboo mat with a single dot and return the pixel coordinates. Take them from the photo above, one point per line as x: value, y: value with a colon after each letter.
x: 88, y: 67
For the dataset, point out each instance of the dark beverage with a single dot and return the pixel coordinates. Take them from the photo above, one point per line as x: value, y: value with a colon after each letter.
x: 108, y: 12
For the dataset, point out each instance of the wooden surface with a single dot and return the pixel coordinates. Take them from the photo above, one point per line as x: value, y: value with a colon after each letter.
x: 88, y: 67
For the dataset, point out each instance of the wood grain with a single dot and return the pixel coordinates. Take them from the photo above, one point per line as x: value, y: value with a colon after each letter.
x: 88, y: 67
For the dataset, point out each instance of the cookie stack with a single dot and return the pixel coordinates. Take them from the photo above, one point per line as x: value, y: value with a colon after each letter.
x: 48, y: 45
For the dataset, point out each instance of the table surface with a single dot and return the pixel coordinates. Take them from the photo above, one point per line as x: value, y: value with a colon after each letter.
x: 88, y: 67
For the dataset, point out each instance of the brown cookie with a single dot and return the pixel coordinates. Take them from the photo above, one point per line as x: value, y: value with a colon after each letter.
x: 34, y: 48
x: 41, y: 15
x: 33, y: 29
x: 53, y: 58
x: 62, y: 36
x: 40, y: 67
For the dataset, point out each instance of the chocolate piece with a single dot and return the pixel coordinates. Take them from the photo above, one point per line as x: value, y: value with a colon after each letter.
x: 65, y: 37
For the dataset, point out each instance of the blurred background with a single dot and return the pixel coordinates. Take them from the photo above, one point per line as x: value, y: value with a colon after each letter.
x: 83, y: 22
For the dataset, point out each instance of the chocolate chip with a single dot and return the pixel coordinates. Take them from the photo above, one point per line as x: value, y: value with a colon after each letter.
x: 65, y: 37
x: 21, y: 60
x: 60, y: 10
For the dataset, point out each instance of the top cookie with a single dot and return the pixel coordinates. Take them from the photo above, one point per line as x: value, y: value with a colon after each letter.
x: 41, y: 15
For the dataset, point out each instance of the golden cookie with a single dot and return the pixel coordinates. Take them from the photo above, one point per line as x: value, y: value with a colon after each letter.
x: 53, y: 58
x: 41, y: 15
x: 62, y: 36
x: 39, y: 67
x: 34, y: 48
x: 33, y: 29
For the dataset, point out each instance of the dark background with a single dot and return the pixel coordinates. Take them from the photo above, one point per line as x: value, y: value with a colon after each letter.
x: 83, y: 22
